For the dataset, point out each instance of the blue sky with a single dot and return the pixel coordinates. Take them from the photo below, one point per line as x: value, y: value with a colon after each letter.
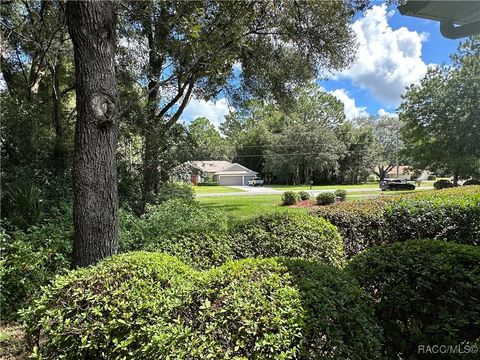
x: 394, y: 51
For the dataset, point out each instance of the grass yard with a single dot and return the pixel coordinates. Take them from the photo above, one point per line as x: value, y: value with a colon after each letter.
x: 244, y: 207
x: 214, y: 189
x: 321, y: 187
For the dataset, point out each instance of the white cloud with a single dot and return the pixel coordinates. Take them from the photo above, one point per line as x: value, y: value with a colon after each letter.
x: 351, y: 110
x: 215, y: 111
x: 387, y: 59
x: 383, y: 112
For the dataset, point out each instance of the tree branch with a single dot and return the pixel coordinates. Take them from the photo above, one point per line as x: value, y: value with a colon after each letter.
x: 184, y: 103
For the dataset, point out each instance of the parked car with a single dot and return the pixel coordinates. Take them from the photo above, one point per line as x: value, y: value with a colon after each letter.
x: 395, y: 184
x: 255, y: 182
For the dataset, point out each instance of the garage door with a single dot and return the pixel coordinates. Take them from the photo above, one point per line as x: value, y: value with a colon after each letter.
x: 230, y: 180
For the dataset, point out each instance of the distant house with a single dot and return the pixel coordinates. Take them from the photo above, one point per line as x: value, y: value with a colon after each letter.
x: 404, y: 172
x: 223, y: 172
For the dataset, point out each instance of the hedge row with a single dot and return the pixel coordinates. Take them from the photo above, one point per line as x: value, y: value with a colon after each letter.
x: 151, y: 306
x: 448, y: 214
x: 200, y: 238
x: 425, y: 292
x: 195, y: 235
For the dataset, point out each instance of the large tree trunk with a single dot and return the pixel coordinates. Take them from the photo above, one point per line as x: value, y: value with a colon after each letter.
x: 91, y: 25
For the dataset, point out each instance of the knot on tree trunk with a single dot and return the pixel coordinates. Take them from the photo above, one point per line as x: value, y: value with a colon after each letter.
x: 103, y: 108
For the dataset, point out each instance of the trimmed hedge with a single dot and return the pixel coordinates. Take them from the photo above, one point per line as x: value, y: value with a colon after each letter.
x: 341, y: 194
x: 199, y: 250
x: 111, y: 310
x: 289, y: 235
x: 442, y: 184
x: 151, y: 306
x: 360, y: 223
x: 207, y: 183
x: 471, y: 182
x: 326, y: 198
x: 449, y: 214
x: 425, y: 292
x: 290, y: 198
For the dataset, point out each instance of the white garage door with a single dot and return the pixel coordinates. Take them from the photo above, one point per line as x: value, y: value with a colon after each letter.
x: 230, y: 180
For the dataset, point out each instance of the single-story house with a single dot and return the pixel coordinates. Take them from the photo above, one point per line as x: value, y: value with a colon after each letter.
x: 404, y: 172
x: 223, y: 172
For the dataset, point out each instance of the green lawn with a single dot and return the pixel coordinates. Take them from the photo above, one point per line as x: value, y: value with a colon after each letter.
x: 321, y: 187
x: 243, y: 207
x: 214, y: 189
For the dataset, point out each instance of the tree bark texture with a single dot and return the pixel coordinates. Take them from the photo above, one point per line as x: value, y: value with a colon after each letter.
x: 91, y: 25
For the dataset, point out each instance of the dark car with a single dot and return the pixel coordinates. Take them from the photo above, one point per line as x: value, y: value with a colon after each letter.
x: 396, y: 184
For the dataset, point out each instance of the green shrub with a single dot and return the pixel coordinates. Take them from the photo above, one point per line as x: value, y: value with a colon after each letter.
x: 435, y: 218
x: 111, y: 309
x: 201, y: 250
x: 341, y: 194
x: 442, y: 184
x: 207, y: 183
x: 372, y: 179
x: 425, y: 292
x: 304, y: 195
x: 471, y: 182
x: 326, y: 198
x: 175, y: 190
x: 290, y: 235
x: 165, y: 222
x: 30, y: 259
x: 448, y: 214
x: 255, y: 309
x: 360, y: 223
x: 289, y: 198
x: 431, y: 178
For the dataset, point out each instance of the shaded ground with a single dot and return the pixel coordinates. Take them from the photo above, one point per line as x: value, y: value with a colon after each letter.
x: 12, y: 343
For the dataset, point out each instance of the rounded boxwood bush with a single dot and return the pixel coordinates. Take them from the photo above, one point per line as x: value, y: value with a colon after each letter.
x: 304, y: 195
x: 150, y: 306
x: 326, y: 198
x: 107, y: 311
x: 442, y: 184
x: 282, y: 308
x: 199, y: 250
x: 425, y: 292
x: 341, y: 194
x: 290, y: 235
x: 289, y: 198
